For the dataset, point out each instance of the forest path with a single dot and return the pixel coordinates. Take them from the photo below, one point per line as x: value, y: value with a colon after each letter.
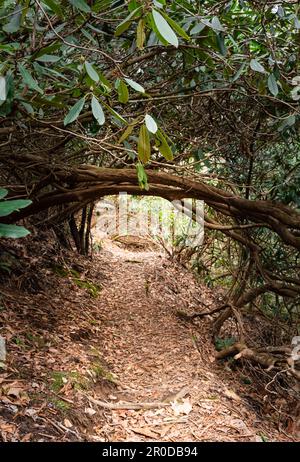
x: 154, y: 355
x: 106, y: 329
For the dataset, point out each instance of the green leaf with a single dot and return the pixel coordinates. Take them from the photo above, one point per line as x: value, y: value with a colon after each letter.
x: 239, y: 72
x: 123, y: 94
x: 136, y: 86
x: 142, y: 176
x: 3, y: 193
x: 132, y: 5
x: 28, y: 107
x: 163, y: 146
x: 198, y: 28
x: 164, y: 29
x: 221, y: 44
x: 7, y: 207
x: 29, y: 80
x: 115, y: 113
x: 74, y: 111
x: 287, y: 123
x: 104, y: 82
x: 10, y: 49
x: 124, y: 25
x: 144, y: 148
x: 92, y: 73
x: 98, y: 111
x: 140, y: 34
x: 55, y: 7
x: 12, y: 231
x: 48, y: 59
x: 152, y: 25
x: 89, y: 37
x: 15, y: 21
x: 175, y: 26
x: 256, y: 66
x: 126, y: 133
x: 81, y: 5
x: 150, y: 124
x: 297, y: 23
x: 46, y: 50
x: 272, y: 84
x: 216, y: 25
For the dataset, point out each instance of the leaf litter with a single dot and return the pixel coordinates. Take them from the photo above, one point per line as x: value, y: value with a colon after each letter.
x: 67, y: 349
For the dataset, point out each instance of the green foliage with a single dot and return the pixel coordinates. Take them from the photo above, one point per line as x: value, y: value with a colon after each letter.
x: 136, y: 86
x: 6, y: 208
x: 222, y: 344
x: 93, y: 74
x: 92, y: 288
x: 150, y: 124
x: 248, y: 43
x: 98, y: 111
x: 61, y: 378
x: 61, y: 405
x: 100, y: 372
x: 142, y: 176
x: 58, y: 381
x: 246, y: 380
x: 19, y: 342
x: 74, y: 112
x: 162, y: 145
x: 163, y: 28
x: 144, y: 148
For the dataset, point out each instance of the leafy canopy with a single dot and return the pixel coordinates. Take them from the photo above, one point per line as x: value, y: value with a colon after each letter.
x: 116, y: 60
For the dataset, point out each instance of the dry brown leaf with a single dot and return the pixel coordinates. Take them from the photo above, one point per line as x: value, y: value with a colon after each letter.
x: 182, y: 407
x: 232, y: 395
x: 14, y: 392
x: 165, y: 430
x: 89, y: 411
x: 68, y: 423
x: 26, y: 437
x: 7, y: 427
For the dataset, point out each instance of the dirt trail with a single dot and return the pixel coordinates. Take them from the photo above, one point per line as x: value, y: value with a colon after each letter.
x: 70, y: 344
x: 154, y: 356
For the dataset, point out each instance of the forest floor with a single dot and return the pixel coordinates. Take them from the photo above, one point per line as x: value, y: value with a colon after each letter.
x: 107, y: 330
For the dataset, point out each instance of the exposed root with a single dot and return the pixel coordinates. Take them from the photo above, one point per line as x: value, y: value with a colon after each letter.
x: 240, y: 351
x: 138, y: 406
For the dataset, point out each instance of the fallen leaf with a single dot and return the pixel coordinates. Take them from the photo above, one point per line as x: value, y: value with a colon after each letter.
x: 7, y: 428
x: 184, y: 407
x: 231, y: 395
x: 67, y: 423
x: 26, y: 437
x: 241, y: 427
x: 30, y: 412
x: 89, y: 411
x: 15, y: 392
x: 165, y: 430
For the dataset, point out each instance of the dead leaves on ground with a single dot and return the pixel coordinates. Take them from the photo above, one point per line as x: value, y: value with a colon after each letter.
x: 126, y: 345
